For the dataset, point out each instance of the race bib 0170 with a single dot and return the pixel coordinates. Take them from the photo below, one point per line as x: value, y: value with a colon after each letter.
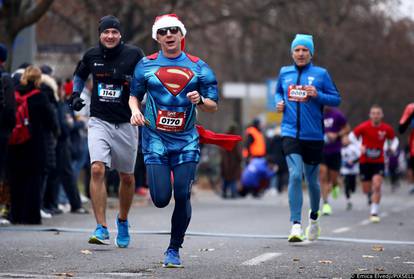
x: 297, y: 93
x: 109, y: 92
x: 170, y: 121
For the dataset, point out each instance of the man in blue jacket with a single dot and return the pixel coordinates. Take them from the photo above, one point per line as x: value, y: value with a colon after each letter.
x: 302, y: 91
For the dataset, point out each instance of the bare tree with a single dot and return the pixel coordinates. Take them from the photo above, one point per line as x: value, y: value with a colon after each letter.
x: 136, y: 16
x: 365, y: 50
x: 15, y: 15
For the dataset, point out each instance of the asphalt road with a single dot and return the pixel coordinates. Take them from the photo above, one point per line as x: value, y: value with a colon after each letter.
x: 243, y: 238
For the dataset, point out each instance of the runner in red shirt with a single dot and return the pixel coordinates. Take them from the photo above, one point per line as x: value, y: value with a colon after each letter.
x: 373, y: 134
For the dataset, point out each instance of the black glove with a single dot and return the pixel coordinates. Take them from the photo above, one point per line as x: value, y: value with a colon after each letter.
x: 76, y: 102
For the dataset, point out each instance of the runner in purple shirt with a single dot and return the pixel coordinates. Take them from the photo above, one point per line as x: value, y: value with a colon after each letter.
x: 336, y: 126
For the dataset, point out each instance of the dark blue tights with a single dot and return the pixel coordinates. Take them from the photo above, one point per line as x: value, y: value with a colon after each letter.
x: 161, y: 188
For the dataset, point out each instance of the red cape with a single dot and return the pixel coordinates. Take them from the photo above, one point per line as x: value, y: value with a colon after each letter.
x: 408, y: 111
x: 226, y: 141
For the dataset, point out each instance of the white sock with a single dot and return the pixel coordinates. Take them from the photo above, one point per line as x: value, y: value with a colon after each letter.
x: 374, y: 208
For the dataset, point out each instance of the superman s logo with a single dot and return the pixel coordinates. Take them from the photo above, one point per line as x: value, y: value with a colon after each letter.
x: 174, y: 79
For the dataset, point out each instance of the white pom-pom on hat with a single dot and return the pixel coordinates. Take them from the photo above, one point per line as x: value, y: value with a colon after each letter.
x: 168, y: 20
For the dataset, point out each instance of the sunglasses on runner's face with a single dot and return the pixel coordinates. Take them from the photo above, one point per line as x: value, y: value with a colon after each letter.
x: 163, y: 31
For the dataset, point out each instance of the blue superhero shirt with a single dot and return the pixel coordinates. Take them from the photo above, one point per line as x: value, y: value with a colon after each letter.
x: 171, y: 137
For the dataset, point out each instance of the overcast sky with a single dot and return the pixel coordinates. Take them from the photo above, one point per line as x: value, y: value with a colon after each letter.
x: 406, y: 8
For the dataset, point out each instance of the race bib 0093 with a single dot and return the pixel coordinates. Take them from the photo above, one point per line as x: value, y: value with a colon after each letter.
x: 297, y: 93
x: 170, y: 121
x: 373, y: 153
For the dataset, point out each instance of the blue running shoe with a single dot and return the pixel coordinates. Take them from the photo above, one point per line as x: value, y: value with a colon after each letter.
x: 172, y: 259
x: 122, y: 239
x: 100, y: 236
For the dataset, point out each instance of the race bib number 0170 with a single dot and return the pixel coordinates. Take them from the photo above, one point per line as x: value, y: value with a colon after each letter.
x: 170, y: 121
x: 297, y: 93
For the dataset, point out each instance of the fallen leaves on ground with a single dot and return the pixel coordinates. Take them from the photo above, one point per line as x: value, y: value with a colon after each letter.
x: 65, y: 274
x: 378, y: 248
x: 206, y: 249
x: 48, y: 256
x: 325, y: 261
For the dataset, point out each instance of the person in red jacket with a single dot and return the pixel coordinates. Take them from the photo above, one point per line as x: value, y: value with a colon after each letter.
x: 68, y: 87
x: 373, y: 133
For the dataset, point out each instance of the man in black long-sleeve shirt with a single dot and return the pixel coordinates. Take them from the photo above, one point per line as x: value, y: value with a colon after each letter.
x: 112, y: 140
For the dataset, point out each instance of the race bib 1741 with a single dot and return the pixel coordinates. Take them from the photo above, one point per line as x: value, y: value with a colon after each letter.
x: 297, y: 93
x: 170, y: 121
x: 109, y: 92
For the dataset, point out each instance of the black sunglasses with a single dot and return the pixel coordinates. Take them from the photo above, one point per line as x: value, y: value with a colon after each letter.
x: 163, y: 31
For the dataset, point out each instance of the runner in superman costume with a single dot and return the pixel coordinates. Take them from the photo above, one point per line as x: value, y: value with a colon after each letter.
x: 175, y: 84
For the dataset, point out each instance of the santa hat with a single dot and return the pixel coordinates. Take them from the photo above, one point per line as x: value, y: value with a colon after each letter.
x: 168, y: 20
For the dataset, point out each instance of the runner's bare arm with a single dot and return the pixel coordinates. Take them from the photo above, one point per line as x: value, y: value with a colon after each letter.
x: 205, y: 104
x: 137, y: 118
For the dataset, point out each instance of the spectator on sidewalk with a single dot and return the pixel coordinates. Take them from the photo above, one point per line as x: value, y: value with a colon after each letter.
x: 230, y: 168
x: 256, y: 176
x: 27, y: 161
x: 7, y: 123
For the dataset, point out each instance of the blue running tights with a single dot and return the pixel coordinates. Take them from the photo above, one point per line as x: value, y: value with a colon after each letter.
x: 161, y: 188
x: 296, y: 168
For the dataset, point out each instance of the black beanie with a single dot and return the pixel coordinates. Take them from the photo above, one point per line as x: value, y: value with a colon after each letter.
x: 109, y: 21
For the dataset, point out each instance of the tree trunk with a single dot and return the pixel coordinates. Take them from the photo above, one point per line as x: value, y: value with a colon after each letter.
x: 15, y: 17
x: 7, y: 40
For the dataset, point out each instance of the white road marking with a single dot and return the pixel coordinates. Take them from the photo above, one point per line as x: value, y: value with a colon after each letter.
x: 262, y: 258
x: 397, y: 209
x: 367, y: 221
x: 367, y: 241
x: 57, y: 275
x: 23, y: 275
x: 341, y: 230
x: 302, y: 243
x: 364, y: 222
x: 386, y: 214
x: 121, y: 274
x: 213, y: 234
